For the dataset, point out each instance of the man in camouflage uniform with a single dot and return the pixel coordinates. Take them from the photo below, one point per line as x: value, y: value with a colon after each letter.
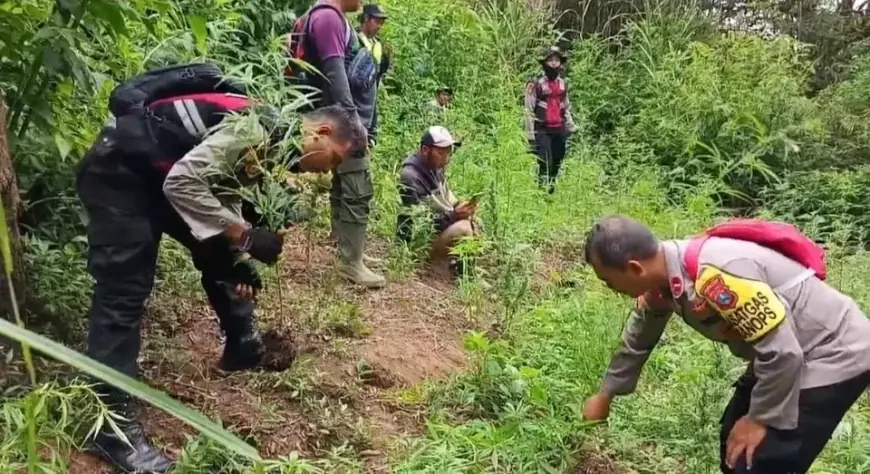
x: 807, y: 344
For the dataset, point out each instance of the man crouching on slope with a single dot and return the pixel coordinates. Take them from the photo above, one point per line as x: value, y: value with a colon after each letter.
x: 808, y: 345
x: 159, y: 167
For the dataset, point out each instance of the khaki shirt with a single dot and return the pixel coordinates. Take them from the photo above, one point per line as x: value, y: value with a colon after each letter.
x: 436, y: 108
x: 200, y: 185
x: 796, y: 331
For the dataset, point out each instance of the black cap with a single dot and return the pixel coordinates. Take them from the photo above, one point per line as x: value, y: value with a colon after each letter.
x: 444, y: 89
x: 372, y: 10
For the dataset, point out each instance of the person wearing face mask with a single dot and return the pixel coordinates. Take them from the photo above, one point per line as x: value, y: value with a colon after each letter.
x: 177, y: 139
x: 548, y: 117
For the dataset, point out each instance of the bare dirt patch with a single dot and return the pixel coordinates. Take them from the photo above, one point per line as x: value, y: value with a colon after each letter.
x: 556, y: 267
x: 597, y: 462
x: 84, y: 463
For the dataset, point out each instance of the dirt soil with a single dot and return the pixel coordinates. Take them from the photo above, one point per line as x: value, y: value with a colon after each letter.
x: 597, y: 462
x: 358, y: 355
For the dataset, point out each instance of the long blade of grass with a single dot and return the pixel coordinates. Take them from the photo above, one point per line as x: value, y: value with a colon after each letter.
x: 131, y: 386
x: 8, y: 267
x: 5, y: 248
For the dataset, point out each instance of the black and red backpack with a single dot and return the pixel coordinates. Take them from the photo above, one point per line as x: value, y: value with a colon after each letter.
x: 153, y: 112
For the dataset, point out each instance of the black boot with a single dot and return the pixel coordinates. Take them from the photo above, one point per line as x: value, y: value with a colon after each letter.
x: 457, y: 267
x: 139, y: 455
x: 243, y: 350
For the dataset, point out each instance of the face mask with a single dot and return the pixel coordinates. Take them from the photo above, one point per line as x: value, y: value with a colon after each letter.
x: 551, y: 72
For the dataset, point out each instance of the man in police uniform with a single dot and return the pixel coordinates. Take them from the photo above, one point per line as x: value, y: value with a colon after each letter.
x: 808, y: 344
x: 371, y: 21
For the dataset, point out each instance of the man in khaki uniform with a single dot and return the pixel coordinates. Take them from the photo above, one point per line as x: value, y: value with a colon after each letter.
x: 441, y: 102
x: 807, y: 344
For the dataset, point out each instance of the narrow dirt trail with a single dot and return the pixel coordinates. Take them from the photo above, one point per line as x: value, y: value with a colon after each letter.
x: 361, y: 355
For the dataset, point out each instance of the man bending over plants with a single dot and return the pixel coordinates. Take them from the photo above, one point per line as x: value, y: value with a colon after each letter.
x: 759, y: 288
x: 422, y: 181
x: 168, y: 162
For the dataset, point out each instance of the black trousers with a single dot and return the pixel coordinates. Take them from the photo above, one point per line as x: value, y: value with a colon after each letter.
x: 550, y: 149
x: 792, y: 451
x: 127, y: 216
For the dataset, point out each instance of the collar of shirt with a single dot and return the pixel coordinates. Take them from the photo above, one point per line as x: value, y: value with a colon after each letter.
x: 679, y: 281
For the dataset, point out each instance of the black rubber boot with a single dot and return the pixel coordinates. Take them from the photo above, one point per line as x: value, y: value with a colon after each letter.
x: 139, y: 456
x: 243, y: 351
x: 457, y: 267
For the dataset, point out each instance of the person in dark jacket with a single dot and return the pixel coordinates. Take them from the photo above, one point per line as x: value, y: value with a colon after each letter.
x: 422, y: 181
x: 371, y: 22
x: 135, y: 188
x: 331, y: 41
x: 548, y: 118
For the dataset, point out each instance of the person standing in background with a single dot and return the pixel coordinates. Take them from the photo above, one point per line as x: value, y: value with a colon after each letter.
x: 371, y: 22
x: 443, y: 96
x: 548, y: 117
x: 332, y: 47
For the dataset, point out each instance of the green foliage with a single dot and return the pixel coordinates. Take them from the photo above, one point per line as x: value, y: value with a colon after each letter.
x: 57, y: 276
x: 847, y: 113
x: 727, y: 108
x: 828, y: 205
x: 672, y: 112
x: 56, y: 413
x: 128, y: 385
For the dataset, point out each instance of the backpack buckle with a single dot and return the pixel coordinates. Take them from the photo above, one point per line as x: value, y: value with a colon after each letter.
x: 150, y: 115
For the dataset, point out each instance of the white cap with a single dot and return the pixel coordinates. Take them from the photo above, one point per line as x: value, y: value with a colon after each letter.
x: 440, y: 137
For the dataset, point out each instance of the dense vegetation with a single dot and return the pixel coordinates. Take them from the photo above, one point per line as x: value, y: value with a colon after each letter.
x: 682, y: 121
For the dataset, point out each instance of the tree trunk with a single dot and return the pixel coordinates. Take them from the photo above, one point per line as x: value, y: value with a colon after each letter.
x: 9, y: 199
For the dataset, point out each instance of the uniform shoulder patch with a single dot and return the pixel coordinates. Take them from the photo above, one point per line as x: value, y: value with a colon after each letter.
x: 717, y: 292
x: 676, y: 286
x: 751, y: 307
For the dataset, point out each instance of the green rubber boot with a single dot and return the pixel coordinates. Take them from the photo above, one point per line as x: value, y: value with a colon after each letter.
x: 351, y: 240
x: 333, y: 235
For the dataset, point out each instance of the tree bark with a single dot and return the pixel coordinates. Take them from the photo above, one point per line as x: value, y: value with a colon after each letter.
x: 10, y: 201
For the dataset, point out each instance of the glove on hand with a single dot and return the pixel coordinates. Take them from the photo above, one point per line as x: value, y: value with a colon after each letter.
x: 262, y: 244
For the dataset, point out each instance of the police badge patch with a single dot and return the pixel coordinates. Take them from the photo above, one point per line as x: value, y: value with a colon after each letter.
x: 718, y: 293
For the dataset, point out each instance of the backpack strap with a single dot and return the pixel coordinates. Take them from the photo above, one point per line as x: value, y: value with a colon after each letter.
x: 691, y: 257
x: 693, y: 252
